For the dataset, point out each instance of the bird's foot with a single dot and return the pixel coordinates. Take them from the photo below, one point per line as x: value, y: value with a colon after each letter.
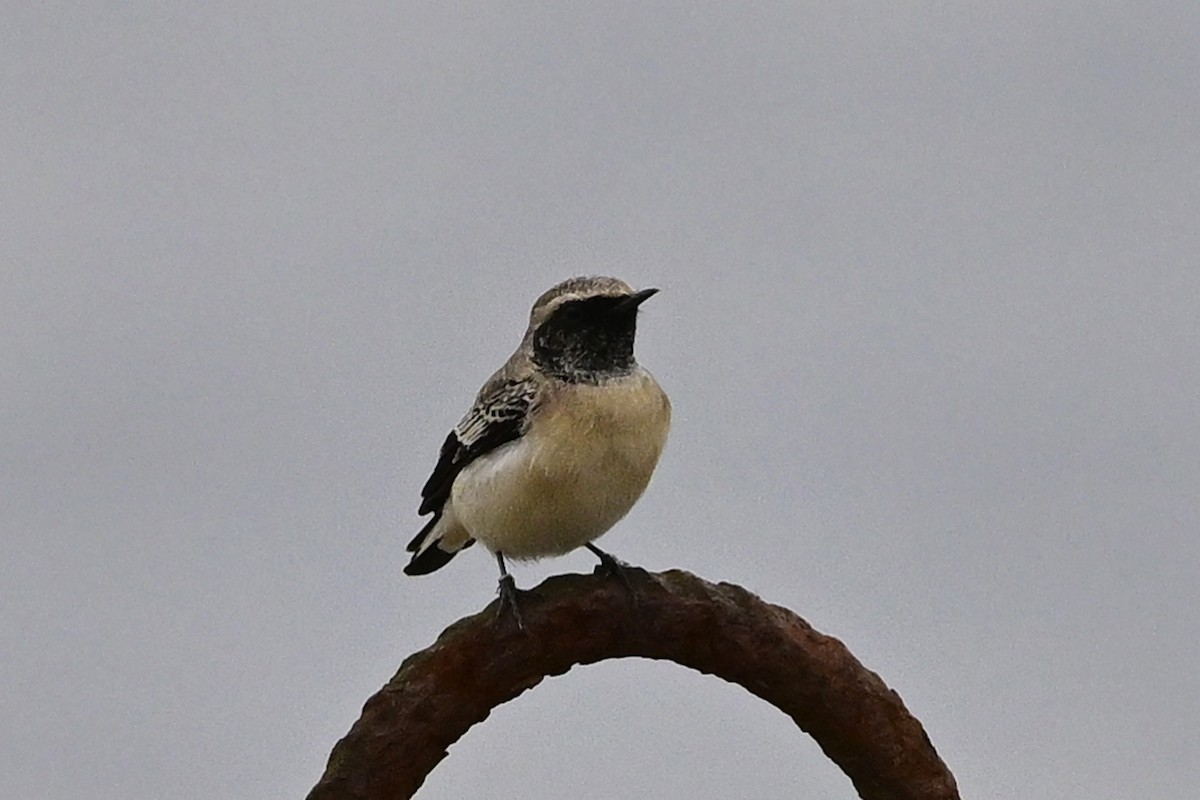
x: 508, y: 599
x: 615, y: 567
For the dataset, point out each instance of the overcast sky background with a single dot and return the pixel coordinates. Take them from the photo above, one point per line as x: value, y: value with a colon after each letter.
x: 929, y: 320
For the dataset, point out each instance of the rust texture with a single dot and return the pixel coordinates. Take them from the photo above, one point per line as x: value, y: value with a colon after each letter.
x: 482, y: 661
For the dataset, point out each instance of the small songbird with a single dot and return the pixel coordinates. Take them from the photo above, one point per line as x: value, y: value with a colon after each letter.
x: 560, y: 443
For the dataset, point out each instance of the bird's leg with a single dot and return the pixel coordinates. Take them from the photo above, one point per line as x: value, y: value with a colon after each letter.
x: 508, y: 593
x: 613, y: 566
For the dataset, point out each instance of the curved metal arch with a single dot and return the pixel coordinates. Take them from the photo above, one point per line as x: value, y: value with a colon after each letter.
x: 482, y: 661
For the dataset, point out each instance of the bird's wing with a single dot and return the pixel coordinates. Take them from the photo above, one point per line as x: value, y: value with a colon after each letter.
x: 498, y: 416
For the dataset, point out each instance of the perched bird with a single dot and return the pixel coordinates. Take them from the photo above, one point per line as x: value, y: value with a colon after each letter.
x: 560, y: 443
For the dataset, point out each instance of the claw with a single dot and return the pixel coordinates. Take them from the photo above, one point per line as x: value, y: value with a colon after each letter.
x: 611, y: 565
x: 508, y: 599
x: 508, y: 594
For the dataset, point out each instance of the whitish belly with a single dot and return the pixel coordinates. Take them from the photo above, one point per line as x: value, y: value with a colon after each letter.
x: 550, y: 493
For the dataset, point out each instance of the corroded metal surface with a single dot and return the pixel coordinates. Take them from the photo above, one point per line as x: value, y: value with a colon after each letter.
x: 482, y: 661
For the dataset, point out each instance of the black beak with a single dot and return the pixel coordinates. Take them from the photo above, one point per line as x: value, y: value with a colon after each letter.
x: 634, y: 300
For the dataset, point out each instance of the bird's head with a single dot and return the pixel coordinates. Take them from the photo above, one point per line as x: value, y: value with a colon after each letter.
x: 582, y: 330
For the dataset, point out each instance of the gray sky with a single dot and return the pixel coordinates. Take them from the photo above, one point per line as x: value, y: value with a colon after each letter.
x: 929, y: 320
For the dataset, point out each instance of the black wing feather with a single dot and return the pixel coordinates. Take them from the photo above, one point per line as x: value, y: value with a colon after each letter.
x: 498, y: 418
x: 451, y: 460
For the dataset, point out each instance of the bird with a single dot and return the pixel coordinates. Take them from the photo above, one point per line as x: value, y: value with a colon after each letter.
x: 559, y: 444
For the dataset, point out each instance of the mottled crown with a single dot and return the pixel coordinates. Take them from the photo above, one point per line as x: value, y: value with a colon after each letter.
x: 576, y: 289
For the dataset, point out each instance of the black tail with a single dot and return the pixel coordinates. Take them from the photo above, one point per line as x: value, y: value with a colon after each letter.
x: 415, y: 544
x: 434, y: 557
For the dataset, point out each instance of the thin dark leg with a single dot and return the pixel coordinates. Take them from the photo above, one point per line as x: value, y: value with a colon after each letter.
x: 613, y: 566
x: 508, y: 593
